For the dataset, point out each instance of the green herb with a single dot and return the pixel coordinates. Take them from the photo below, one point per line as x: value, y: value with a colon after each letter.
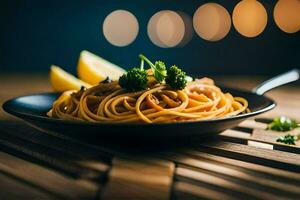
x: 287, y: 139
x: 158, y: 69
x: 176, y: 78
x: 282, y: 124
x: 134, y: 79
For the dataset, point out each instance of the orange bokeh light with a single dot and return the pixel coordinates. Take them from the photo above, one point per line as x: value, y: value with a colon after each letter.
x: 212, y: 22
x: 120, y: 28
x: 287, y: 15
x: 249, y: 18
x: 166, y: 29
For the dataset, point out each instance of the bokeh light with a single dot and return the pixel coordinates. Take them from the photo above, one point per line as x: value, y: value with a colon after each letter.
x: 249, y: 18
x: 287, y: 15
x: 212, y: 22
x: 188, y: 28
x: 120, y: 28
x: 166, y: 29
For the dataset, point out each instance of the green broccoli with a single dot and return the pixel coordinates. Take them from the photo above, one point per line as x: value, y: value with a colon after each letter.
x: 135, y: 79
x: 176, y: 78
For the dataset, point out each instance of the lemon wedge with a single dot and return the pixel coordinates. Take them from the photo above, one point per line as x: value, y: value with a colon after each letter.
x: 94, y: 69
x: 63, y: 81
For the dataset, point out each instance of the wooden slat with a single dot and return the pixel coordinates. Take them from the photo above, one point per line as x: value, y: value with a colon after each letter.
x: 45, y: 156
x: 239, y: 137
x: 46, y: 180
x: 248, y: 180
x: 24, y: 131
x: 237, y: 190
x: 271, y: 137
x: 261, y: 136
x: 84, y: 155
x: 235, y: 174
x: 139, y: 178
x: 188, y: 191
x: 256, y: 131
x: 13, y: 189
x: 252, y: 124
x: 262, y: 145
x: 261, y: 171
x: 100, y: 148
x: 274, y: 158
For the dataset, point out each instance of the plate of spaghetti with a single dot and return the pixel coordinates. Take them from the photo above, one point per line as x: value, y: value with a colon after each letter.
x: 109, y: 103
x: 153, y: 101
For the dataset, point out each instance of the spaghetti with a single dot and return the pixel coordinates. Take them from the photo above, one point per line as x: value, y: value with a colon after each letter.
x: 109, y: 103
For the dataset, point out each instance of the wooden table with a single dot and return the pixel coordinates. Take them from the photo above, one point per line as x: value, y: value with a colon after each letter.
x: 243, y: 163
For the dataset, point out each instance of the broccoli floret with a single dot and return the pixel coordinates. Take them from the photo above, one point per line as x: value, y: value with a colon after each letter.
x: 176, y: 78
x: 135, y: 79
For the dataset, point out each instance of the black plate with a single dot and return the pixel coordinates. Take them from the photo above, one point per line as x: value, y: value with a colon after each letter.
x: 33, y: 109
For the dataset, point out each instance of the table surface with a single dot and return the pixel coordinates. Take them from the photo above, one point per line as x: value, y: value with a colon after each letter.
x: 245, y: 162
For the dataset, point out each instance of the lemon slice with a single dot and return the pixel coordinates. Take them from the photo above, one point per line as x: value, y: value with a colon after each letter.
x: 63, y: 81
x: 94, y: 69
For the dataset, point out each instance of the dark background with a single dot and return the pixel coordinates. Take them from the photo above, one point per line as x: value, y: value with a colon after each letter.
x: 36, y: 34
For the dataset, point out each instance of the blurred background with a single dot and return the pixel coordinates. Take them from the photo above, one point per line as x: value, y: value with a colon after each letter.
x: 203, y: 37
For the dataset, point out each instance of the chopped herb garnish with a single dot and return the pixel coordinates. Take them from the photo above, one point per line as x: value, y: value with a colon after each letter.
x: 287, y: 139
x: 282, y: 124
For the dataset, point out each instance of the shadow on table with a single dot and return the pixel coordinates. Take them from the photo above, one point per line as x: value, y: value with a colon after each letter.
x: 129, y: 145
